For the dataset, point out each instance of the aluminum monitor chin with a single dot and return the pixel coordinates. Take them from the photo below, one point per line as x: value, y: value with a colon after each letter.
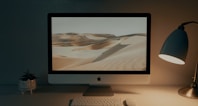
x: 99, y: 48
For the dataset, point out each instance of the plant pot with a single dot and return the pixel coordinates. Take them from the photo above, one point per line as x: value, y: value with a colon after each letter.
x: 28, y: 85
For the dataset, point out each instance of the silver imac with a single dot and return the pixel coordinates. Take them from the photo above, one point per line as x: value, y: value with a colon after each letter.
x: 99, y: 48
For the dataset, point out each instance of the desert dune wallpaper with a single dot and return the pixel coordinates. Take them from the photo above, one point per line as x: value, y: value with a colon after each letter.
x: 88, y: 51
x: 99, y: 43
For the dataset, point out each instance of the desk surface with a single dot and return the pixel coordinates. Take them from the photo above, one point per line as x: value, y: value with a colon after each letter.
x: 60, y: 96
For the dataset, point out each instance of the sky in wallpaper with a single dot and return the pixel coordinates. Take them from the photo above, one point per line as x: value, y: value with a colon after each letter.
x: 116, y: 25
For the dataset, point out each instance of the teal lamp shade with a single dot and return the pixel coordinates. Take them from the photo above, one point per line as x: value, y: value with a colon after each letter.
x: 175, y: 47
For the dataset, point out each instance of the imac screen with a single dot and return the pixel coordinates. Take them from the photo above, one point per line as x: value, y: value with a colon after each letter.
x: 99, y: 43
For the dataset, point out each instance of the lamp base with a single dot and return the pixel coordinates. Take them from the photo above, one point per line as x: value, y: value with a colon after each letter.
x: 189, y: 92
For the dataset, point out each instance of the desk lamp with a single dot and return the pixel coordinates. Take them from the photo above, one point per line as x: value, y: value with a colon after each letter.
x: 174, y: 50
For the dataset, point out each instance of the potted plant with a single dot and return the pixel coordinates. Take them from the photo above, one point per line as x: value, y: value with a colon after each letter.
x: 27, y: 82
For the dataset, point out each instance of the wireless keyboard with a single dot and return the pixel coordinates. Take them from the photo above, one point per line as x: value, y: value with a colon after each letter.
x: 98, y: 101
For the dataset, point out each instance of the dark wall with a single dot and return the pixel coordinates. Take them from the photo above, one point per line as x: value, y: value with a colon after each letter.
x: 23, y: 34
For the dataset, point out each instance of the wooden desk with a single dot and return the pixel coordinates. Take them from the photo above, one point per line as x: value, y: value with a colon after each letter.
x: 60, y: 96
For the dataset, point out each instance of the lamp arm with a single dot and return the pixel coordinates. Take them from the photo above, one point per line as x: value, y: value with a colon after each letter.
x: 185, y: 23
x: 195, y: 74
x: 189, y: 22
x: 194, y: 83
x: 182, y: 27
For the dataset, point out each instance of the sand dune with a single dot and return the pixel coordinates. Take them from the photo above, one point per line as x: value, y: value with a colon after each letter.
x: 62, y: 63
x: 125, y: 53
x: 109, y: 52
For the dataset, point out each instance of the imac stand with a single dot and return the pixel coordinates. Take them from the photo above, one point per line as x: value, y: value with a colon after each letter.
x: 99, y: 90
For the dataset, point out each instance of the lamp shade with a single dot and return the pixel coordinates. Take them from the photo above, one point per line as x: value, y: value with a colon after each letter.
x: 175, y: 47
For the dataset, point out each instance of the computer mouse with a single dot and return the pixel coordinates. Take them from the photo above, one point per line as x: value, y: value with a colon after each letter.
x: 129, y: 102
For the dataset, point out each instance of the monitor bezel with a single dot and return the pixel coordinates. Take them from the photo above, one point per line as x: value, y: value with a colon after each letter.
x: 147, y: 15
